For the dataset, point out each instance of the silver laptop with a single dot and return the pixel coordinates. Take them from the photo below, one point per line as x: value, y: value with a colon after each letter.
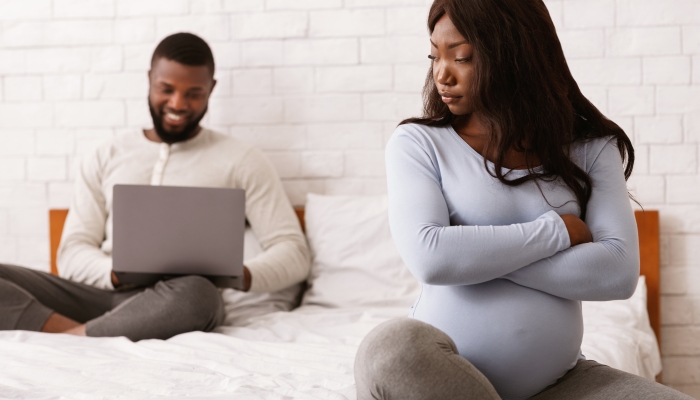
x: 162, y: 232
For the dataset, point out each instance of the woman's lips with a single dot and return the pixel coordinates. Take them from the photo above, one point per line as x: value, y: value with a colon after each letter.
x: 449, y: 99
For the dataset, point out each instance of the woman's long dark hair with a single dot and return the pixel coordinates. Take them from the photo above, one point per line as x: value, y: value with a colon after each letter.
x: 524, y: 90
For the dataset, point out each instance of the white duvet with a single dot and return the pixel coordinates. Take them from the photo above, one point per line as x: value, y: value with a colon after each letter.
x: 307, y: 353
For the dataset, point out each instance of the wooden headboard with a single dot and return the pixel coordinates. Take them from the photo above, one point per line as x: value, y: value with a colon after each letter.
x: 647, y: 225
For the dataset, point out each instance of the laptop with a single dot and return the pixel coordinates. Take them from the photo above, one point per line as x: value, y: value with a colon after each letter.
x: 162, y: 232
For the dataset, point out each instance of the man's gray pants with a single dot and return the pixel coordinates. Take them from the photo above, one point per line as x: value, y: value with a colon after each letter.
x: 406, y: 359
x: 189, y: 303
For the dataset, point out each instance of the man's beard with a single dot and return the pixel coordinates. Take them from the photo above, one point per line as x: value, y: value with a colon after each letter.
x: 187, y: 132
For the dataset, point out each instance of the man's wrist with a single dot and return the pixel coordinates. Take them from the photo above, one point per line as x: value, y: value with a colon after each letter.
x: 247, y: 279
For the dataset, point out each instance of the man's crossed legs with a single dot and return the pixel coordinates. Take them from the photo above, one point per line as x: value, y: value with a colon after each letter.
x: 28, y: 298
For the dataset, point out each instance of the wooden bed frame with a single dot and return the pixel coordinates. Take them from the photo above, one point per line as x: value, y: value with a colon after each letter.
x: 647, y: 225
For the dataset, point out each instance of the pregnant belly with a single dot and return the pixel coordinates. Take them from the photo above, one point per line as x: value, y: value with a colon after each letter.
x: 521, y: 339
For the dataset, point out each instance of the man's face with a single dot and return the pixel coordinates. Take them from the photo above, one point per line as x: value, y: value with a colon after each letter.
x: 178, y: 97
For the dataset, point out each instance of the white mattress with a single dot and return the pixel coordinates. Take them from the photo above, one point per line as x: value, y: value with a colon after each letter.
x: 307, y: 353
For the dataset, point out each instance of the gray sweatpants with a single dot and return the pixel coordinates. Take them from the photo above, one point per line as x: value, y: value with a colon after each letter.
x: 190, y: 303
x: 408, y: 359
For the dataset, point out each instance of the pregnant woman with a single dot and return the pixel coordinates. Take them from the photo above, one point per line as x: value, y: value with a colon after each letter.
x: 508, y: 201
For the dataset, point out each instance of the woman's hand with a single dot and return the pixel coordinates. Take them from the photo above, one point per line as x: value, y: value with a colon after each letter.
x: 578, y: 230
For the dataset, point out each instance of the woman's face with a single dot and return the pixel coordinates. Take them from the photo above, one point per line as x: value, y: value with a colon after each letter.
x: 453, y: 69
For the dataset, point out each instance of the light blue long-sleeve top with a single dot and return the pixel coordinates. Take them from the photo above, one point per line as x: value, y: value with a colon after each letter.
x: 498, y: 273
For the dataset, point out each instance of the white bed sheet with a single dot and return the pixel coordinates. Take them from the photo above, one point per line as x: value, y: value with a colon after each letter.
x: 307, y: 353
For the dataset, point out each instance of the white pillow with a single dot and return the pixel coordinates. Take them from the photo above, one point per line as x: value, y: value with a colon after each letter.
x: 355, y: 261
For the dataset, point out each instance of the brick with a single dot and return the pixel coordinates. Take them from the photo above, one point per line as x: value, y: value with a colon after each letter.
x: 674, y: 281
x: 407, y: 21
x: 659, y: 129
x: 28, y: 221
x: 556, y: 13
x: 632, y: 100
x: 252, y: 81
x: 125, y: 85
x: 138, y: 57
x: 392, y: 50
x: 269, y: 25
x: 23, y: 194
x: 685, y: 250
x: 652, y: 12
x: 297, y: 189
x: 667, y: 70
x: 8, y: 250
x: 681, y: 370
x: 322, y: 165
x: 273, y: 137
x: 683, y: 189
x: 76, y: 32
x: 223, y: 84
x: 696, y: 70
x: 131, y: 8
x: 342, y: 136
x: 691, y: 125
x: 262, y: 53
x: 361, y: 22
x: 33, y: 250
x: 302, y: 4
x: 243, y: 5
x: 53, y: 142
x: 62, y: 87
x: 46, y: 169
x: 208, y: 27
x: 582, y: 43
x: 23, y: 33
x: 680, y: 218
x: 673, y: 159
x: 288, y: 165
x: 641, y: 162
x: 12, y: 10
x: 680, y: 341
x: 589, y: 13
x: 137, y: 114
x: 83, y: 8
x: 607, y: 71
x: 16, y: 142
x: 86, y: 140
x: 4, y: 226
x: 247, y: 110
x: 361, y: 78
x: 60, y: 194
x: 383, y: 3
x: 410, y: 78
x: 26, y: 115
x: 390, y: 107
x: 89, y: 114
x: 12, y: 169
x: 676, y: 310
x: 226, y: 54
x: 12, y: 61
x: 647, y: 189
x: 677, y: 99
x: 320, y: 52
x: 364, y: 163
x: 57, y: 60
x: 691, y: 39
x: 643, y: 41
x: 293, y: 80
x: 106, y: 59
x: 22, y: 88
x: 135, y: 30
x: 598, y: 95
x: 322, y: 108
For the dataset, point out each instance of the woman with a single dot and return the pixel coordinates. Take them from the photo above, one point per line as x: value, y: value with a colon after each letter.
x: 508, y: 201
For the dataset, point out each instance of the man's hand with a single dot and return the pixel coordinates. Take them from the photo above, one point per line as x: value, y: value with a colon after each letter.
x: 578, y: 230
x: 115, y: 280
x: 246, y: 279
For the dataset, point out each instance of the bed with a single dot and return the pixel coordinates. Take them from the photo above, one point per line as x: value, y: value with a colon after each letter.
x: 357, y: 281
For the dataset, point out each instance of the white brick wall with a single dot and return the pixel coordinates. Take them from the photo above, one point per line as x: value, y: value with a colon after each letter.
x: 319, y: 85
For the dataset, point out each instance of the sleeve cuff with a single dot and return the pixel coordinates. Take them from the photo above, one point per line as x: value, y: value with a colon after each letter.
x: 560, y: 231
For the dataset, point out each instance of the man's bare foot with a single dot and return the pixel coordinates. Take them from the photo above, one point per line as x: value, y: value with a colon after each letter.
x: 57, y: 323
x: 77, y: 331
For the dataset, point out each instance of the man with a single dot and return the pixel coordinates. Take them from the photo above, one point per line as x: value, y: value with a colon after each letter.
x: 176, y: 152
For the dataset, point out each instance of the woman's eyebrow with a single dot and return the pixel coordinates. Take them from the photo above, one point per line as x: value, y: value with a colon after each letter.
x: 451, y: 45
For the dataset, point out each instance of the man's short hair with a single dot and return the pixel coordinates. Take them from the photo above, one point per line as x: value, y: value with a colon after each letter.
x: 185, y: 48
